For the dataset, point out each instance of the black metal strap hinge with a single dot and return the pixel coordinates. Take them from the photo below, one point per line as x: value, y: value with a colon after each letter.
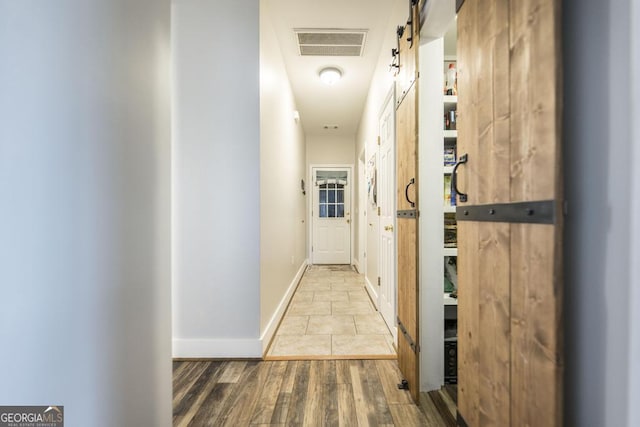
x: 534, y: 212
x: 408, y: 337
x: 409, y: 213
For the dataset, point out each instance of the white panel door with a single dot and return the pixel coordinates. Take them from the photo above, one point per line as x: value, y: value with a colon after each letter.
x: 386, y: 202
x: 331, y: 216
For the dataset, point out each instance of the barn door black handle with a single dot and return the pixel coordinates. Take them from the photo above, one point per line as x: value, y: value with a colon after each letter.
x: 454, y: 177
x: 406, y: 192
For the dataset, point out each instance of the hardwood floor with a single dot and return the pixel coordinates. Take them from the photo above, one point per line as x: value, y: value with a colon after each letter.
x: 442, y: 402
x: 296, y: 393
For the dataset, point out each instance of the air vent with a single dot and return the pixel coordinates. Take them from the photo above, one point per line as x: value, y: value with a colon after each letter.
x: 323, y: 42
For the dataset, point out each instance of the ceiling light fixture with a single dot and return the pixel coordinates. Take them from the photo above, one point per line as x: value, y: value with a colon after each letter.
x: 330, y: 75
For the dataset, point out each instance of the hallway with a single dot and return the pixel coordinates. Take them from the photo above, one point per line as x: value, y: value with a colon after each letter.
x: 331, y: 317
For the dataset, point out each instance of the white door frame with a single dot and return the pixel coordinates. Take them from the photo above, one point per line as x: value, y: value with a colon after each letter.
x: 311, y: 188
x: 391, y: 183
x: 372, y: 235
x: 362, y: 214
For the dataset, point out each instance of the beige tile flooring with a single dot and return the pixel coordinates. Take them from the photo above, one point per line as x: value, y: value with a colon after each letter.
x: 331, y: 316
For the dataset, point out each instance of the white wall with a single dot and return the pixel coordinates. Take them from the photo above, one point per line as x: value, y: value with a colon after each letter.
x: 216, y: 178
x: 431, y: 215
x: 330, y: 149
x: 84, y: 184
x: 634, y: 254
x: 282, y: 166
x: 600, y: 224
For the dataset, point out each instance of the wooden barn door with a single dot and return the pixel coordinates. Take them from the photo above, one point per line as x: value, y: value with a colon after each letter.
x: 407, y: 202
x: 510, y: 227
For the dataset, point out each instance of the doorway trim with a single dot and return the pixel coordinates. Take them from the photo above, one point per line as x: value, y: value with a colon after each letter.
x: 390, y: 185
x: 361, y: 265
x: 349, y: 167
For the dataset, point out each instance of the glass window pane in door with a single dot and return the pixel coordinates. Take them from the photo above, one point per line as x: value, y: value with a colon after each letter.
x: 340, y: 211
x: 323, y: 211
x: 332, y: 211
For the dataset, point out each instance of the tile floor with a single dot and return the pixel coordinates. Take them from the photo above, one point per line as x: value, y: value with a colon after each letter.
x: 331, y: 315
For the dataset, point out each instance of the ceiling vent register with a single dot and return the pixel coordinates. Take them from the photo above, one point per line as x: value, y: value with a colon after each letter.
x: 324, y: 42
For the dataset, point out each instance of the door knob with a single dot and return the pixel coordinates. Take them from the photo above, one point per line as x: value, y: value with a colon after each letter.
x: 388, y: 227
x: 348, y: 221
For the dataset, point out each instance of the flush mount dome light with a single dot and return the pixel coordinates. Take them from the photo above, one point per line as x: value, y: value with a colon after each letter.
x: 330, y: 75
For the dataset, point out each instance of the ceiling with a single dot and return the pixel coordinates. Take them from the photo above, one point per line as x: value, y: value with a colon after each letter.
x: 341, y: 104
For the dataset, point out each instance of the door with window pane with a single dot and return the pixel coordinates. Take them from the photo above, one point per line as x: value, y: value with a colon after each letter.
x: 331, y: 214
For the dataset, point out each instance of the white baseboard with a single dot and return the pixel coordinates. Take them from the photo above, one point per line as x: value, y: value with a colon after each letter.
x: 372, y: 291
x: 216, y: 348
x: 272, y: 326
x: 240, y: 348
x: 356, y: 264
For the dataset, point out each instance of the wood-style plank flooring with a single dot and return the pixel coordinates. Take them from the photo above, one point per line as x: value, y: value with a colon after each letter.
x: 298, y: 393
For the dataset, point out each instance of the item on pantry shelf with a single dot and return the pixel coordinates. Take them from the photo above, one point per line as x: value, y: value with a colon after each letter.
x: 447, y: 189
x: 453, y: 196
x: 450, y: 273
x: 452, y: 119
x: 449, y: 192
x: 449, y: 156
x: 450, y: 231
x: 448, y: 286
x: 451, y: 80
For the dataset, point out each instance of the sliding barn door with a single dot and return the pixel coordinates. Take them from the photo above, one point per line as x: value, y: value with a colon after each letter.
x: 509, y: 228
x: 407, y: 204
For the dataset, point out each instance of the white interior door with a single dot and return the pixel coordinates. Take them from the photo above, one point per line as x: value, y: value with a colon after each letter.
x: 331, y: 216
x: 386, y: 202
